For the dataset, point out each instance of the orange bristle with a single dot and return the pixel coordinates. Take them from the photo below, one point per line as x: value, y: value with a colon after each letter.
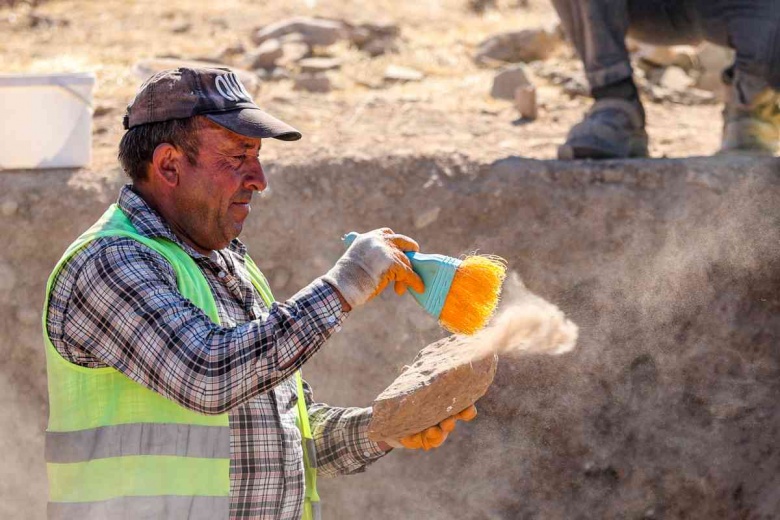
x: 474, y: 294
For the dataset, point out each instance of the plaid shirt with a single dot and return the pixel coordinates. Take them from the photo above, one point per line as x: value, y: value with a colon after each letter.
x: 116, y: 304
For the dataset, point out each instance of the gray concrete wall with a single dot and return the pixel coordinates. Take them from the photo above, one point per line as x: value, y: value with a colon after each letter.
x: 670, y: 267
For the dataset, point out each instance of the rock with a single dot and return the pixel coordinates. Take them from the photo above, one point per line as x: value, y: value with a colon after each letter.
x: 674, y: 78
x: 312, y: 83
x: 402, y: 74
x: 442, y: 380
x: 712, y: 60
x: 525, y: 101
x: 714, y: 57
x: 292, y: 52
x: 375, y: 38
x: 315, y: 31
x: 145, y: 68
x: 319, y: 64
x: 380, y: 46
x: 520, y: 46
x: 683, y: 56
x: 510, y: 79
x: 264, y: 56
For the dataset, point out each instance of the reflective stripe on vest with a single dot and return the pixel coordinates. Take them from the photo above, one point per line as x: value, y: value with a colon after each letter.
x: 117, y: 449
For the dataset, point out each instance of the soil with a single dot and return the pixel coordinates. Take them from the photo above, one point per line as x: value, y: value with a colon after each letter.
x: 449, y: 111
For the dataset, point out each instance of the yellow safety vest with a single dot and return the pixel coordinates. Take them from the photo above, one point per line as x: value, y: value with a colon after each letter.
x: 115, y: 449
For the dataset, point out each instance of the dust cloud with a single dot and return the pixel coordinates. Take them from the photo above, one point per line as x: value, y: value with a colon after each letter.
x: 528, y: 325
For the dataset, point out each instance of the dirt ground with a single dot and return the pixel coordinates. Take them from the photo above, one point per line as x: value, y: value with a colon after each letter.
x: 449, y: 111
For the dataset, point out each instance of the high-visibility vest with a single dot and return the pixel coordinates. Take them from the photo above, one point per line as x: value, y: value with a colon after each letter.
x: 115, y: 449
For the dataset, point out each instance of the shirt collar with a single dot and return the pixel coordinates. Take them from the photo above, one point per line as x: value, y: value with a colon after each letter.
x: 150, y: 224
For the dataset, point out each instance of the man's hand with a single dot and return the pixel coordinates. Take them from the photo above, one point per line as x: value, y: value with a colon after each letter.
x: 434, y: 436
x: 373, y: 261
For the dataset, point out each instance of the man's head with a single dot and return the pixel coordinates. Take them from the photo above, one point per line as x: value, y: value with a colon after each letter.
x: 191, y: 148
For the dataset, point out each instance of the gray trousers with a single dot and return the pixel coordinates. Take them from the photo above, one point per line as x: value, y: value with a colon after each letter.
x: 598, y: 28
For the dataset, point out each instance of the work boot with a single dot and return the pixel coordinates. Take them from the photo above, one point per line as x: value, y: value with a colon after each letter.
x: 612, y: 129
x: 752, y: 129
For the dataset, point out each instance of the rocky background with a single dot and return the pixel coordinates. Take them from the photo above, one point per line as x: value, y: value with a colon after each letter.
x: 416, y: 115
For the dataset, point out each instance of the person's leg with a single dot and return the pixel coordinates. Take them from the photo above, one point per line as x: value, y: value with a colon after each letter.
x: 597, y: 29
x: 752, y: 112
x: 614, y: 127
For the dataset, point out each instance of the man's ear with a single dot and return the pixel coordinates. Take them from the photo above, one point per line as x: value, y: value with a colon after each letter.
x: 166, y: 163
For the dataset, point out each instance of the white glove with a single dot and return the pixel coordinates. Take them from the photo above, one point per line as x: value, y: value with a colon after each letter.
x: 373, y: 261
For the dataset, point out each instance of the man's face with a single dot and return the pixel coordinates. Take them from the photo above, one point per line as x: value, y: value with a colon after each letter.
x: 212, y: 197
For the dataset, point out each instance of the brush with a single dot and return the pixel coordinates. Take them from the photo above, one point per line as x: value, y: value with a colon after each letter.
x: 461, y: 294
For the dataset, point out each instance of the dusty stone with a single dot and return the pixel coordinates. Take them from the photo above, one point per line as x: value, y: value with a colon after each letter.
x: 145, y: 68
x: 314, y: 31
x: 9, y: 207
x: 442, y: 380
x: 264, y: 56
x: 402, y: 74
x: 510, y: 79
x: 520, y: 46
x: 312, y: 82
x: 675, y: 78
x: 319, y: 64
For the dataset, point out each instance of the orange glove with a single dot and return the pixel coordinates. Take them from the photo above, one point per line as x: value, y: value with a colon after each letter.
x: 373, y: 261
x: 435, y: 436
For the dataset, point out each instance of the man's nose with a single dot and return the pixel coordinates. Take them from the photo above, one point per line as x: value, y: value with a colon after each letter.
x: 254, y: 178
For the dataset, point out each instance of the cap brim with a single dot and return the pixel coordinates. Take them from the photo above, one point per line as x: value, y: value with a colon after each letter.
x: 253, y: 122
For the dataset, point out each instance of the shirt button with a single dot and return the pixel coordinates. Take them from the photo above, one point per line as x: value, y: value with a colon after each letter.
x: 222, y: 274
x: 332, y: 320
x: 366, y: 454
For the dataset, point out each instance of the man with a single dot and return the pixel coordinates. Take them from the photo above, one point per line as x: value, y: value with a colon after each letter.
x: 173, y: 375
x: 615, y: 125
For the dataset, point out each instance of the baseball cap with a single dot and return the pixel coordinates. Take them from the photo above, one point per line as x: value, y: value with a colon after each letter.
x: 214, y: 92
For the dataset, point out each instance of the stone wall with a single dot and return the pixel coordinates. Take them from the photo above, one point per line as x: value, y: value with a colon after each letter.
x: 671, y: 268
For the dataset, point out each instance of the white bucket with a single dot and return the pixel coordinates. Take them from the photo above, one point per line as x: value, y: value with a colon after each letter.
x: 47, y: 120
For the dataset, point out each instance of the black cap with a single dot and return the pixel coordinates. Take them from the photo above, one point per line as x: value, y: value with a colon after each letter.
x: 214, y: 92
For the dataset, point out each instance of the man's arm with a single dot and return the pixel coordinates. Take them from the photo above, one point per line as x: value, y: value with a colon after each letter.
x: 127, y: 311
x: 341, y: 438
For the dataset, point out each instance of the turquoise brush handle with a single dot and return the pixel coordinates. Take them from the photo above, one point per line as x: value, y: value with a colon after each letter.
x: 437, y: 273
